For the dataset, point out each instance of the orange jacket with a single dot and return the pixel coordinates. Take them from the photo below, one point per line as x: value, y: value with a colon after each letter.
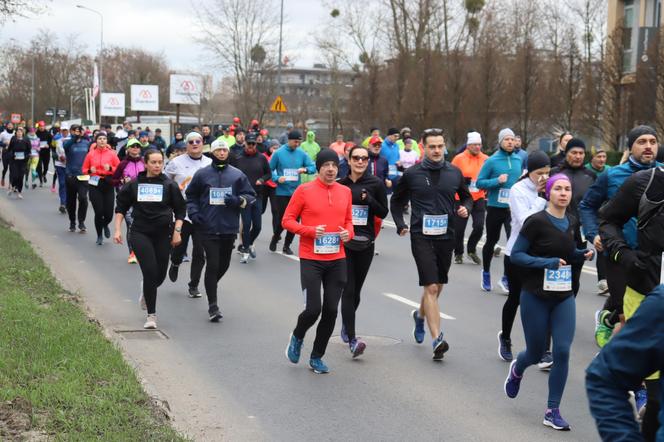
x: 470, y: 166
x: 97, y: 158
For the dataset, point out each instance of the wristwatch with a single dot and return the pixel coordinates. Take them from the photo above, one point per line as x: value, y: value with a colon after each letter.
x: 178, y: 229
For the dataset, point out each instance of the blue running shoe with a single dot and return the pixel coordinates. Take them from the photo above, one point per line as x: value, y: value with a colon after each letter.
x: 553, y: 419
x: 418, y: 330
x: 318, y: 366
x: 504, y: 348
x: 641, y: 398
x: 357, y: 347
x: 294, y: 349
x: 504, y: 285
x: 440, y: 346
x: 513, y: 381
x: 486, y: 281
x: 344, y: 335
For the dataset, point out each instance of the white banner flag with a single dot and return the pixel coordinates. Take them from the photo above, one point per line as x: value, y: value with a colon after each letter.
x: 95, y: 82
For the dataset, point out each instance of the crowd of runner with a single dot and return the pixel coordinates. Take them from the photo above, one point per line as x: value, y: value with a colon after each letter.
x: 208, y: 187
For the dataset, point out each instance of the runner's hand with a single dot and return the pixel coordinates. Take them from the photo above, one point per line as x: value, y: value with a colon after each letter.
x: 502, y: 178
x: 117, y: 237
x: 462, y: 212
x: 343, y: 234
x: 562, y: 262
x: 597, y: 242
x: 176, y: 239
x: 93, y: 169
x: 589, y: 255
x: 282, y: 179
x: 403, y: 231
x: 320, y: 230
x: 388, y: 183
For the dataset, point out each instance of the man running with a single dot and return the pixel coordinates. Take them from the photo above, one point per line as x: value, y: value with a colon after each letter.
x: 431, y: 187
x: 181, y: 169
x: 321, y: 213
x: 76, y: 149
x: 287, y: 165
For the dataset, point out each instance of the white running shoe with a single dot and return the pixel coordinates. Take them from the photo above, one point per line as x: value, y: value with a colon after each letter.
x: 151, y: 322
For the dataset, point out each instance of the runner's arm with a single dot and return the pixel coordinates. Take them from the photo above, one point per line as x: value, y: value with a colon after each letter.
x: 378, y: 203
x: 615, y: 213
x: 484, y: 180
x: 292, y: 214
x: 590, y: 204
x: 400, y: 198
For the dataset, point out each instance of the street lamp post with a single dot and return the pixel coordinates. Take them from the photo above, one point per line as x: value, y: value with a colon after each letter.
x: 281, y: 26
x: 101, y: 51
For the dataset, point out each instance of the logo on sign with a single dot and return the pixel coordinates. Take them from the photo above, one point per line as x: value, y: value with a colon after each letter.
x: 113, y: 101
x: 145, y: 94
x: 188, y: 86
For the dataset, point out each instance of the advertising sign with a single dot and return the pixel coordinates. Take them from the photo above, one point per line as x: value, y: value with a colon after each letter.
x: 185, y: 89
x: 144, y: 97
x: 112, y: 104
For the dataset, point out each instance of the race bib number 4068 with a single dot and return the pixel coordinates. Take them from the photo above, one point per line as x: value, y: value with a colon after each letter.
x: 150, y: 193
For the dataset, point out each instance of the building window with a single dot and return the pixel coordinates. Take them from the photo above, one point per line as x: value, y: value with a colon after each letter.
x: 629, y: 17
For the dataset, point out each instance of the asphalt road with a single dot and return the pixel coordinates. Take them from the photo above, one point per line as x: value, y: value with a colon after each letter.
x: 232, y: 381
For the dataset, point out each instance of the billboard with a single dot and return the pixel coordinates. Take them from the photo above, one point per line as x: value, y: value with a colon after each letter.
x: 144, y: 97
x: 112, y: 104
x: 185, y: 89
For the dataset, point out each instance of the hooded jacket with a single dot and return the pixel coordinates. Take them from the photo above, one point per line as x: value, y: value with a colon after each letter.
x: 287, y: 159
x: 390, y: 151
x: 255, y: 167
x: 76, y: 150
x: 377, y: 166
x: 311, y: 148
x: 375, y: 202
x: 581, y: 179
x: 501, y: 162
x: 129, y: 168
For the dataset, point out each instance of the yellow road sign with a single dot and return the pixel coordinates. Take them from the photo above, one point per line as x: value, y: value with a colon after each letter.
x: 278, y: 105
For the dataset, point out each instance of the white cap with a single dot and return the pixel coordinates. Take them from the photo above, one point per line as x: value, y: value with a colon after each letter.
x: 64, y: 126
x: 474, y: 138
x: 218, y: 144
x: 192, y: 135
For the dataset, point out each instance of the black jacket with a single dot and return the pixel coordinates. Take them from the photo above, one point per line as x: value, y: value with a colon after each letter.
x: 255, y: 167
x: 430, y: 192
x: 376, y: 200
x: 581, y: 179
x: 18, y: 145
x: 151, y: 215
x: 643, y: 266
x: 558, y: 159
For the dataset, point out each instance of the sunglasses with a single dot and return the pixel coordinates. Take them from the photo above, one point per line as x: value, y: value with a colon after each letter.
x: 359, y: 158
x: 194, y: 142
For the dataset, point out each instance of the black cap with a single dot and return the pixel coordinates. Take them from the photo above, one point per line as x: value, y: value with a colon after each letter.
x: 635, y: 133
x: 537, y: 160
x: 575, y: 142
x: 392, y: 131
x: 326, y: 155
x: 251, y: 138
x: 295, y: 135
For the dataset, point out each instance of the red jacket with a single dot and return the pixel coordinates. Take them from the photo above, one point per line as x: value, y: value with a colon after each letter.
x: 97, y: 158
x: 317, y: 203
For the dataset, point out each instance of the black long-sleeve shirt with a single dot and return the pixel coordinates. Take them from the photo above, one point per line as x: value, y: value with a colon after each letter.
x: 376, y: 201
x: 18, y: 146
x: 255, y: 167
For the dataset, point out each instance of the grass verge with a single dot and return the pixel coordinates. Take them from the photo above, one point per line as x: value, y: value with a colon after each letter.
x: 60, y: 378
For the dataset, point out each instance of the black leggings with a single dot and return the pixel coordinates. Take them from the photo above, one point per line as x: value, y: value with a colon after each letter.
x: 197, y: 253
x: 615, y: 278
x: 477, y: 213
x: 102, y: 198
x: 218, y: 250
x: 512, y: 302
x: 601, y: 266
x: 42, y: 165
x: 332, y: 274
x: 358, y: 264
x: 6, y: 159
x: 282, y: 203
x: 152, y: 250
x: 76, y: 190
x: 496, y: 218
x: 16, y: 172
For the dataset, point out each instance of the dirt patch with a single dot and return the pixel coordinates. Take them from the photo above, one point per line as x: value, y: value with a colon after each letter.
x: 16, y: 422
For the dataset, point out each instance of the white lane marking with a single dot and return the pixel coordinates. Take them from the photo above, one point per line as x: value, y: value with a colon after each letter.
x: 414, y: 304
x: 293, y: 257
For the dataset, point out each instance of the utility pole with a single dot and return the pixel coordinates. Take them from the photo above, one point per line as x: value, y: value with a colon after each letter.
x: 101, y: 51
x: 32, y: 94
x: 281, y: 28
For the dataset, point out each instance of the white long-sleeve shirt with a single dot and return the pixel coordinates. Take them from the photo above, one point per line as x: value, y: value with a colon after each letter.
x: 523, y: 203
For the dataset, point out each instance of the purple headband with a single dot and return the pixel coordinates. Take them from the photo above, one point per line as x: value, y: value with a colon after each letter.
x: 550, y: 182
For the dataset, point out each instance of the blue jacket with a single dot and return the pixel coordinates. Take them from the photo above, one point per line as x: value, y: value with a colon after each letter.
x: 629, y: 357
x: 286, y: 158
x: 75, y: 152
x: 524, y: 158
x: 604, y: 188
x: 217, y: 219
x: 497, y: 164
x: 390, y: 151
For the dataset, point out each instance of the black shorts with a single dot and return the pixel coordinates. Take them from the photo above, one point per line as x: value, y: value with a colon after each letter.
x: 433, y: 258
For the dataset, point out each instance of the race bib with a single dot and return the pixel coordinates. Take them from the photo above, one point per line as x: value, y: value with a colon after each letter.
x: 19, y: 155
x: 218, y: 194
x: 434, y: 224
x: 291, y: 174
x: 558, y: 280
x: 94, y: 180
x: 504, y: 196
x: 327, y: 244
x: 392, y: 170
x: 150, y: 193
x: 473, y: 186
x: 43, y: 144
x: 360, y: 215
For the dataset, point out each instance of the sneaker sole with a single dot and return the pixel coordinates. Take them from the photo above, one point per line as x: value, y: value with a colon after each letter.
x: 509, y: 373
x: 150, y: 327
x: 484, y: 288
x: 216, y: 317
x: 319, y: 371
x: 499, y: 345
x: 545, y: 367
x: 439, y: 352
x: 359, y: 349
x: 547, y: 423
x: 503, y: 289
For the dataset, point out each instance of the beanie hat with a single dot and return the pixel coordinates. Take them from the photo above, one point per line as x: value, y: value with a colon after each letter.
x: 537, y: 160
x: 326, y: 155
x: 507, y: 132
x: 192, y: 135
x: 551, y: 181
x: 218, y: 144
x: 101, y: 133
x: 144, y: 133
x: 575, y: 142
x: 295, y: 135
x: 474, y: 138
x: 392, y: 131
x: 635, y: 133
x: 597, y: 151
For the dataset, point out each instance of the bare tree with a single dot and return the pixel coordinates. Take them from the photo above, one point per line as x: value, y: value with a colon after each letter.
x: 10, y: 9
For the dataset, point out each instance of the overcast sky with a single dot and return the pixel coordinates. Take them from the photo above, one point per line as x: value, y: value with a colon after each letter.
x: 151, y: 25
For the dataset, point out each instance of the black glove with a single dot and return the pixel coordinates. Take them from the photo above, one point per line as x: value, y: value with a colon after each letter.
x: 630, y: 259
x: 232, y: 200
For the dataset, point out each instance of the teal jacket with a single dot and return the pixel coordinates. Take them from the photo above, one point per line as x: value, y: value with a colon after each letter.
x: 286, y: 159
x: 497, y: 164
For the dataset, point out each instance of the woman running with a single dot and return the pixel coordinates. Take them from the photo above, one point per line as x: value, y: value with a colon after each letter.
x: 100, y: 164
x: 34, y: 159
x: 546, y: 248
x: 369, y: 201
x: 18, y: 152
x: 155, y: 199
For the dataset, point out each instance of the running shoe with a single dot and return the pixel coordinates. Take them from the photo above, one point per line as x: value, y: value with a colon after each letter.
x: 244, y: 258
x: 504, y: 285
x: 440, y: 346
x: 458, y: 259
x: 186, y: 258
x: 194, y: 292
x: 294, y: 349
x: 2, y: 183
x: 62, y: 209
x: 215, y: 314
x: 107, y: 232
x: 546, y: 362
x: 151, y: 322
x: 19, y: 195
x: 53, y: 189
x: 473, y: 257
x: 357, y: 347
x: 602, y: 330
x: 173, y: 272
x: 273, y: 243
x: 72, y: 227
x: 504, y: 348
x: 641, y: 399
x: 496, y: 252
x: 100, y: 240
x: 344, y: 335
x: 513, y: 381
x: 132, y: 259
x: 602, y: 287
x: 418, y: 330
x: 318, y: 366
x: 287, y: 251
x: 82, y: 228
x: 252, y: 252
x: 486, y: 281
x: 553, y: 419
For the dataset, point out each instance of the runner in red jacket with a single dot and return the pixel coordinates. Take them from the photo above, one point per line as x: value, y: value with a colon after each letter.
x: 324, y: 208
